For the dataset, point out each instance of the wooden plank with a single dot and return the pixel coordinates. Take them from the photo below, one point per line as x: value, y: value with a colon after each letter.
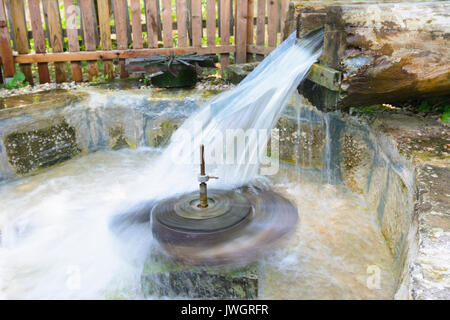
x: 5, y: 45
x: 250, y: 31
x: 211, y: 22
x: 136, y: 23
x: 167, y: 23
x: 39, y: 38
x: 72, y: 38
x: 196, y: 23
x: 20, y: 32
x: 152, y: 23
x: 225, y: 29
x: 56, y: 40
x: 89, y: 35
x: 120, y: 12
x: 105, y: 35
x: 189, y: 17
x: 283, y: 16
x: 182, y: 22
x: 260, y: 50
x: 241, y: 32
x: 272, y: 25
x: 118, y: 54
x: 11, y: 28
x: 261, y: 26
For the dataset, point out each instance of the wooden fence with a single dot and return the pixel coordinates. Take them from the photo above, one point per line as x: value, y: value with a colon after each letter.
x: 80, y: 33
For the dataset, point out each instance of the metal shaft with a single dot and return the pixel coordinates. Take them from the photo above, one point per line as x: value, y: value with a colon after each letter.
x: 203, y: 191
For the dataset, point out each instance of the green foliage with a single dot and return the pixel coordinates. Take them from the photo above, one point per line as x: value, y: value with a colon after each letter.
x: 446, y: 116
x: 18, y: 81
x: 99, y: 79
x: 424, y: 106
x: 438, y: 106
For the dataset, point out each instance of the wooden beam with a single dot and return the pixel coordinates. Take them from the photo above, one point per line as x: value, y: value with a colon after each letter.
x: 136, y: 24
x: 89, y: 38
x: 5, y: 45
x: 167, y: 23
x: 118, y: 54
x: 39, y: 38
x: 262, y: 50
x: 211, y: 22
x: 182, y: 22
x: 20, y: 33
x: 196, y: 23
x: 56, y: 40
x: 105, y: 35
x: 120, y: 12
x: 272, y: 26
x: 72, y: 38
x: 241, y: 32
x: 250, y: 24
x: 152, y: 23
x: 225, y: 31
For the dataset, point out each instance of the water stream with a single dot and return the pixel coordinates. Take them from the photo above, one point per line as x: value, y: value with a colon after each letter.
x: 56, y: 239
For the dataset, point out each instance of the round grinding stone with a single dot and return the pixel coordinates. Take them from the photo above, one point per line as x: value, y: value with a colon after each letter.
x: 272, y: 218
x: 177, y: 215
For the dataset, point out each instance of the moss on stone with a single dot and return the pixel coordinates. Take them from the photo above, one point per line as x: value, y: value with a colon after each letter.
x: 39, y: 148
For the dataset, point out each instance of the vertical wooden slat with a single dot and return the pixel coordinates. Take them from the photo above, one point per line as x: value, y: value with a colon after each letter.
x: 283, y: 16
x: 241, y: 32
x: 136, y: 23
x: 272, y: 25
x: 105, y: 35
x: 56, y: 39
x: 5, y: 46
x: 152, y: 23
x: 260, y: 26
x: 211, y: 22
x: 39, y: 38
x: 261, y: 23
x: 225, y: 29
x: 182, y: 23
x: 167, y: 23
x: 72, y: 38
x: 196, y: 23
x: 12, y: 37
x: 189, y: 16
x: 250, y: 31
x: 89, y: 35
x: 120, y: 12
x: 21, y: 34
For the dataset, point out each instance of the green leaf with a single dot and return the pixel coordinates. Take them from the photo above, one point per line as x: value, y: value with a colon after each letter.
x: 19, y: 76
x: 12, y: 84
x: 446, y: 116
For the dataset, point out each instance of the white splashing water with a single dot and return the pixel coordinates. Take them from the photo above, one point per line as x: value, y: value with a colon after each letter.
x: 52, y: 244
x: 256, y: 103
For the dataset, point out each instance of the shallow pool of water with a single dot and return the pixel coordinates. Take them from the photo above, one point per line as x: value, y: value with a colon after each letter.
x: 56, y: 241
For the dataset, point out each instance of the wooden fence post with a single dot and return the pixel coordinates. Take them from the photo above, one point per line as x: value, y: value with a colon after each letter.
x: 39, y: 38
x: 120, y: 12
x: 21, y: 34
x: 105, y: 35
x: 225, y: 21
x: 56, y: 36
x: 241, y: 31
x: 89, y: 35
x: 5, y: 45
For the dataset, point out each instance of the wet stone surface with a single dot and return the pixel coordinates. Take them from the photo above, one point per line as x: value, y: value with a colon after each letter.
x: 41, y: 148
x: 164, y: 278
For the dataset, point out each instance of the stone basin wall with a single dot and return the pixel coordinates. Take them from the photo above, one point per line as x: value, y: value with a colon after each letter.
x: 380, y: 156
x: 369, y: 155
x: 41, y: 130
